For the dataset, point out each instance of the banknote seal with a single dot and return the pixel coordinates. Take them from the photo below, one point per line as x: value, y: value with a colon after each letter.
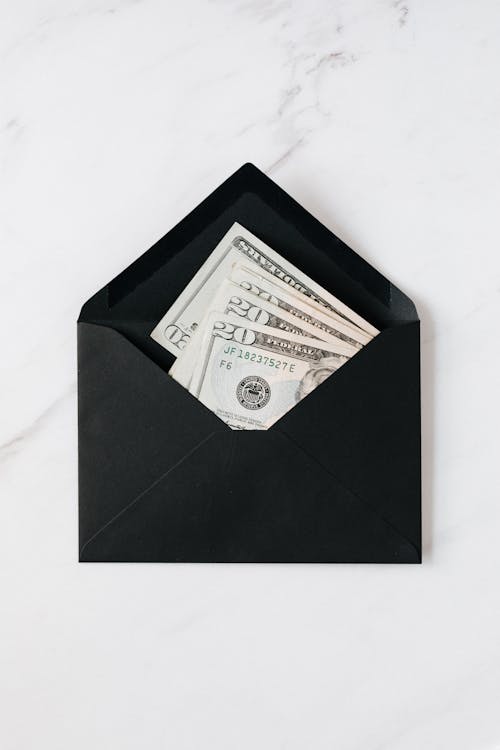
x: 253, y: 392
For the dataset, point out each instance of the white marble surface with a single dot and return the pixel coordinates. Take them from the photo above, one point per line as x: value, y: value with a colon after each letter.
x: 382, y: 117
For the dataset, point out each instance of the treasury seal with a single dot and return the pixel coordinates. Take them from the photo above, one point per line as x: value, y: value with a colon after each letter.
x: 253, y: 392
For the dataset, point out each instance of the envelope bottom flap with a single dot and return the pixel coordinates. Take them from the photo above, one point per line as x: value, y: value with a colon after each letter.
x: 251, y: 497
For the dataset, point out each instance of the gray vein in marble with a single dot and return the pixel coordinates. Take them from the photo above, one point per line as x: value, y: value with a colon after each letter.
x: 186, y: 623
x: 332, y: 60
x: 304, y: 106
x: 290, y: 95
x: 302, y: 96
x: 13, y: 123
x: 12, y: 446
x: 46, y: 23
x: 284, y: 157
x: 296, y: 58
x: 403, y: 11
x: 13, y: 129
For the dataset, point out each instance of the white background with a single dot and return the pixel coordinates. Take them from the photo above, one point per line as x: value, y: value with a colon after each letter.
x: 382, y: 118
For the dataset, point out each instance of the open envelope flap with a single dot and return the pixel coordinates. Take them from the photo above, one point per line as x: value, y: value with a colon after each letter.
x: 131, y: 426
x: 135, y: 300
x: 363, y: 425
x: 247, y: 497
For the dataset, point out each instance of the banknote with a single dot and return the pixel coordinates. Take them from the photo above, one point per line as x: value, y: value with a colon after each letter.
x: 179, y: 323
x: 234, y: 298
x: 265, y: 286
x: 236, y: 301
x: 250, y: 375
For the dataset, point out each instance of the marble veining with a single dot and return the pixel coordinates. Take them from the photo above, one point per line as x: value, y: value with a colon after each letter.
x: 382, y: 118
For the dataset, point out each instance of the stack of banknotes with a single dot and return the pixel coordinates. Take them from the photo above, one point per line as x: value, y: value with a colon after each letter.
x: 253, y: 335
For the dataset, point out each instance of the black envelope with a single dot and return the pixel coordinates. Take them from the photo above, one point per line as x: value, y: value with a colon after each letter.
x: 162, y: 479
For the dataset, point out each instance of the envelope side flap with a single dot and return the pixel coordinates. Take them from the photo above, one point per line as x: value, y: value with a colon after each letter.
x: 363, y: 424
x: 247, y: 497
x: 126, y: 406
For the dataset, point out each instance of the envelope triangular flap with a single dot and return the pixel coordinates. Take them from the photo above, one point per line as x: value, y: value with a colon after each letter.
x: 137, y: 298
